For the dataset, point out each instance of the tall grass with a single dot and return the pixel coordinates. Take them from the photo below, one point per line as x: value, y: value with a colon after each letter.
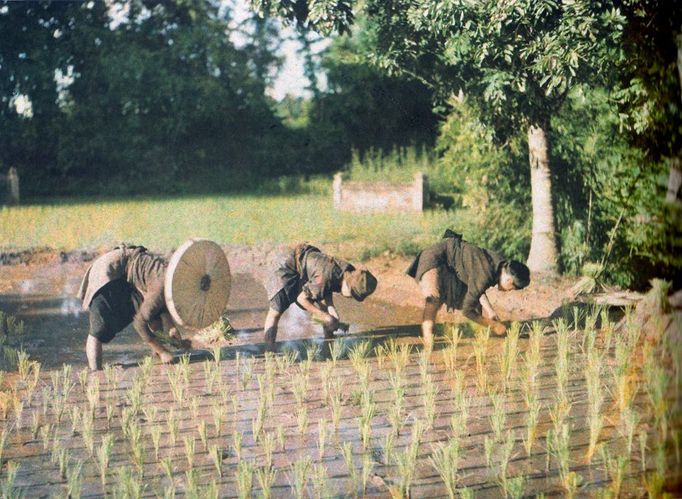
x: 163, y: 224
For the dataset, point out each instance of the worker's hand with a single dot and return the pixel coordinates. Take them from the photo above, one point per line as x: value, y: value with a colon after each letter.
x: 499, y: 329
x: 330, y: 323
x: 175, y: 334
x: 166, y: 357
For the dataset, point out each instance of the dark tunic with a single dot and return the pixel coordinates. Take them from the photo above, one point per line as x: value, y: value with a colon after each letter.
x: 465, y: 272
x: 144, y: 274
x: 305, y: 268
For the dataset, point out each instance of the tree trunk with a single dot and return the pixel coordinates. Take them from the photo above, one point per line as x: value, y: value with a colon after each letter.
x: 543, y: 255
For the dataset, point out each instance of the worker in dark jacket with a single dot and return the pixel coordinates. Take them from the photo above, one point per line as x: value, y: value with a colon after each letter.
x: 306, y: 276
x: 122, y: 286
x: 458, y: 274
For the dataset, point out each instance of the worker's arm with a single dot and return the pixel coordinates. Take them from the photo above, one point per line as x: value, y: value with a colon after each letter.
x: 472, y: 311
x: 149, y: 310
x: 318, y: 314
x: 328, y: 302
x: 488, y: 310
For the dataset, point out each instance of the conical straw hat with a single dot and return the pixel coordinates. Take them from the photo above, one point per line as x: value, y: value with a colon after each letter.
x: 197, y: 284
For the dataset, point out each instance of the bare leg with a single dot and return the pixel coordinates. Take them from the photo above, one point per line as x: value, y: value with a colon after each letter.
x: 431, y: 307
x: 93, y: 351
x: 270, y: 328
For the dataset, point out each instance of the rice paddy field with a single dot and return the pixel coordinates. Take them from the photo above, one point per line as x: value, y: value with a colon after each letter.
x: 573, y: 407
x: 163, y: 224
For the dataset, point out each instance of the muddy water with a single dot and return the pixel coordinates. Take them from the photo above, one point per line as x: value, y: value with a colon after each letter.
x: 56, y: 326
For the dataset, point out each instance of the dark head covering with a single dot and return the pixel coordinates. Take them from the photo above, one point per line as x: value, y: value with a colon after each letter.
x: 362, y: 284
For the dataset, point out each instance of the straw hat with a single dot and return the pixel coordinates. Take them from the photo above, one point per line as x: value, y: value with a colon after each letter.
x: 197, y: 284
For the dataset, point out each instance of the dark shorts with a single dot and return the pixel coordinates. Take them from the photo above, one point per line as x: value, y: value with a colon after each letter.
x: 285, y: 298
x: 111, y: 310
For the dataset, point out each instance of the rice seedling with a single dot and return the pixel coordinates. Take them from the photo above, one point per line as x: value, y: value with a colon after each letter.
x: 244, y: 479
x: 595, y: 399
x: 424, y: 363
x: 93, y: 395
x: 302, y: 420
x: 234, y: 403
x: 18, y: 412
x: 505, y: 456
x: 335, y: 402
x: 111, y: 376
x: 237, y: 443
x: 268, y: 445
x: 23, y: 365
x: 127, y: 485
x: 127, y: 420
x: 657, y: 381
x: 177, y: 384
x: 217, y: 413
x: 103, y: 458
x: 203, y: 435
x: 407, y: 460
x: 615, y: 469
x: 515, y: 487
x: 628, y: 424
x: 661, y: 457
x: 281, y: 437
x: 194, y: 407
x: 488, y: 447
x: 75, y: 480
x: 399, y: 355
x: 146, y: 367
x: 150, y: 412
x: 211, y: 374
x: 533, y: 355
x: 156, y: 439
x: 299, y: 387
x: 299, y: 476
x: 191, y: 484
x: 166, y: 465
x: 134, y: 396
x: 7, y: 486
x: 246, y: 369
x: 46, y: 397
x: 136, y: 447
x: 63, y: 458
x: 365, y: 423
x: 562, y: 360
x: 312, y: 350
x: 321, y: 437
x: 499, y: 416
x: 677, y: 437
x: 653, y: 483
x: 482, y: 336
x: 190, y: 450
x: 367, y: 467
x: 445, y: 460
x: 558, y: 447
x: 460, y: 416
x: 266, y: 478
x: 172, y: 425
x: 429, y: 397
x: 83, y: 379
x: 217, y: 459
x: 510, y: 351
x: 3, y: 441
x: 320, y: 481
x: 388, y: 447
x: 347, y: 453
x: 87, y: 432
x: 109, y: 414
x: 45, y: 435
x: 396, y: 409
x: 35, y: 425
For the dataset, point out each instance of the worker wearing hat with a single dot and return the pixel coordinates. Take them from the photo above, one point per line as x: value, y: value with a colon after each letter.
x: 129, y: 284
x: 306, y: 276
x: 122, y: 286
x: 457, y: 273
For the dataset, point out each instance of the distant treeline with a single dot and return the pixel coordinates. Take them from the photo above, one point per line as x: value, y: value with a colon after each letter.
x: 162, y: 102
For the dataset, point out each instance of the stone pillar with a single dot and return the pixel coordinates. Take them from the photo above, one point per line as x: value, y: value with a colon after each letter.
x: 13, y: 186
x: 336, y: 190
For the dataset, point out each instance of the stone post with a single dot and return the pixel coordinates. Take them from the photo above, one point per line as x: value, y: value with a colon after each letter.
x: 336, y: 189
x: 13, y: 186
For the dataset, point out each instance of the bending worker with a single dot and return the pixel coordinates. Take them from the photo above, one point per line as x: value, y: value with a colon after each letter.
x: 306, y: 276
x: 458, y: 274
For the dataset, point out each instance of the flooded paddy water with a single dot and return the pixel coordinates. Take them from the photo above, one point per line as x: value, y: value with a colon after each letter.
x: 556, y: 411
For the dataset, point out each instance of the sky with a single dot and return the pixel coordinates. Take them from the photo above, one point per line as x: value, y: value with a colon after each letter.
x: 291, y: 78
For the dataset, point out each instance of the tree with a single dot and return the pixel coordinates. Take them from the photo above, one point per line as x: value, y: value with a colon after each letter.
x: 519, y: 59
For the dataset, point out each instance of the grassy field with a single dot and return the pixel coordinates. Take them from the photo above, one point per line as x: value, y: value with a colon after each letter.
x: 162, y: 224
